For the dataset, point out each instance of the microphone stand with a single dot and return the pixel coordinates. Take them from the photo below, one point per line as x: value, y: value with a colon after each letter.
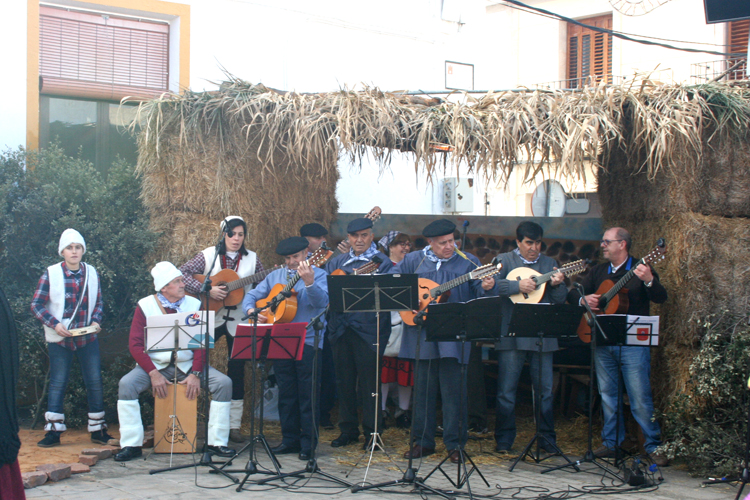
x: 589, y: 456
x: 205, y: 454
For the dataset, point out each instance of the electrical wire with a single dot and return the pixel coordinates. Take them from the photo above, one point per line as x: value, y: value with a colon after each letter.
x: 549, y: 14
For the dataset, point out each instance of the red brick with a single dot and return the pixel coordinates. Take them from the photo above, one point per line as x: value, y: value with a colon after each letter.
x: 55, y: 472
x: 33, y: 479
x: 101, y: 453
x: 87, y: 460
x: 113, y: 449
x: 79, y: 468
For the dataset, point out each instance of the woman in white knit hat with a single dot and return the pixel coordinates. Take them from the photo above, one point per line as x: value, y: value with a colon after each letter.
x: 68, y: 297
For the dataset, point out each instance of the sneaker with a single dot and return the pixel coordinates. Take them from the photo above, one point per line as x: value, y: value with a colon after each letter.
x: 52, y: 438
x: 236, y: 436
x: 659, y: 459
x: 604, y: 452
x: 100, y: 437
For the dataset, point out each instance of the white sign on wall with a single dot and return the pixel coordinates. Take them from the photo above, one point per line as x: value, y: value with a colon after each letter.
x: 459, y: 76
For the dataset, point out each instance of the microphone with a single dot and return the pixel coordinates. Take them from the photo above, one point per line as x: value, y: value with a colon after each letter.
x: 466, y: 223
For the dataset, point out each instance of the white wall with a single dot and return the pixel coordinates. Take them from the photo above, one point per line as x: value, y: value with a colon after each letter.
x: 13, y: 82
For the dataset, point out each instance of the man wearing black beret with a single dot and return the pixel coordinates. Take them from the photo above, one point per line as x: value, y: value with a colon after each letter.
x: 295, y: 377
x: 440, y: 362
x: 353, y: 337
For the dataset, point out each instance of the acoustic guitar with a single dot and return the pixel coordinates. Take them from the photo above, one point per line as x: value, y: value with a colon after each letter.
x: 541, y: 280
x: 286, y: 310
x: 614, y: 300
x: 235, y: 285
x: 430, y: 292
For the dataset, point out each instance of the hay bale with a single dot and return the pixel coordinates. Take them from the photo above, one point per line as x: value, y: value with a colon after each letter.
x: 718, y: 184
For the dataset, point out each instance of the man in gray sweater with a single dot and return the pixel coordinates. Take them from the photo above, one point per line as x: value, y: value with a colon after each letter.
x: 514, y: 351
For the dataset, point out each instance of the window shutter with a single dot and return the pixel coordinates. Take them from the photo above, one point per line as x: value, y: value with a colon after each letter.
x: 100, y: 56
x: 589, y: 52
x: 737, y: 39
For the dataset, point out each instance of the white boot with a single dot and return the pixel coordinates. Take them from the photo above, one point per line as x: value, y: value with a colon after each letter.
x: 235, y: 414
x: 55, y: 422
x: 131, y: 425
x: 218, y: 423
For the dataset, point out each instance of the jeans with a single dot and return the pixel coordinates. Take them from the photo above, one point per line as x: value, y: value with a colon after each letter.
x: 61, y: 361
x: 636, y: 375
x: 510, y: 364
x: 445, y: 373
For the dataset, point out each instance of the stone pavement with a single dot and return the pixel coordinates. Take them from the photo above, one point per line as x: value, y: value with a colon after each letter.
x: 110, y: 480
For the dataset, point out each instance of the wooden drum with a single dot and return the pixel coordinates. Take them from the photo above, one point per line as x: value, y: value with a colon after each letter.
x: 182, y: 433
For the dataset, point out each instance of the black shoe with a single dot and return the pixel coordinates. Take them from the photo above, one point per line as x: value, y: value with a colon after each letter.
x: 502, y: 448
x: 221, y: 451
x: 403, y: 421
x: 52, y: 438
x: 305, y: 455
x: 284, y: 449
x: 100, y: 437
x: 128, y: 453
x: 343, y: 440
x: 477, y: 428
x: 325, y: 423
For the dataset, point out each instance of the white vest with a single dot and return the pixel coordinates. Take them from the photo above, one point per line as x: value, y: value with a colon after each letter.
x: 150, y: 307
x: 56, y: 303
x: 246, y: 268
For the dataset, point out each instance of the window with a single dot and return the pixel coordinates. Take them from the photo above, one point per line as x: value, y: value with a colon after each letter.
x: 589, y: 52
x: 737, y: 40
x: 94, y: 130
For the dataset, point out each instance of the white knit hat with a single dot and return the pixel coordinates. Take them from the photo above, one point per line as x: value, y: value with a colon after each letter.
x: 164, y: 272
x: 227, y: 219
x: 70, y: 236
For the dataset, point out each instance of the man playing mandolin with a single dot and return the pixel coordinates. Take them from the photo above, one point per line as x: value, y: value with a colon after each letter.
x: 234, y: 256
x: 635, y: 370
x: 440, y: 362
x: 514, y: 351
x: 310, y: 291
x: 353, y: 338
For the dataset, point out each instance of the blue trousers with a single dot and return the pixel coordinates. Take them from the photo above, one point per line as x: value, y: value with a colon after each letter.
x: 298, y: 427
x: 510, y: 364
x: 444, y: 373
x: 635, y: 370
x: 61, y: 361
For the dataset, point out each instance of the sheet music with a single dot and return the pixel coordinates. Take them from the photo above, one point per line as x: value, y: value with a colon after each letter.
x: 160, y: 331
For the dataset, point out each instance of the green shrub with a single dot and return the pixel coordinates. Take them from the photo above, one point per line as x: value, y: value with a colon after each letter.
x: 41, y: 194
x: 707, y: 425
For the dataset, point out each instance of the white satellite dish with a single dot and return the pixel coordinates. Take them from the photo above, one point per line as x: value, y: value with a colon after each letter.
x: 548, y: 199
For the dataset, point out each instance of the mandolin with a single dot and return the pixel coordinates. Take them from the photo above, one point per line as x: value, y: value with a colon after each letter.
x: 430, y: 292
x: 541, y: 280
x: 286, y: 310
x: 367, y: 268
x: 234, y: 284
x: 373, y: 215
x: 614, y: 300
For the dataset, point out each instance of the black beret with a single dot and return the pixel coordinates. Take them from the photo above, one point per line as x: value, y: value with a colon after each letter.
x: 440, y: 227
x: 358, y: 225
x: 291, y: 245
x: 313, y: 229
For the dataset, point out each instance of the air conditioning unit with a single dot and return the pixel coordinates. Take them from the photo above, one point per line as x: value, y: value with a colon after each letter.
x: 458, y: 195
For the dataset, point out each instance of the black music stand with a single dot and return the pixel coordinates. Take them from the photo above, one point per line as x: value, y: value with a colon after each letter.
x: 596, y: 328
x: 373, y: 293
x: 540, y: 321
x: 260, y: 343
x: 175, y: 338
x: 478, y: 319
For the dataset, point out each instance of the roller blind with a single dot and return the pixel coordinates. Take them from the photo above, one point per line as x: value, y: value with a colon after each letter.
x: 98, y: 56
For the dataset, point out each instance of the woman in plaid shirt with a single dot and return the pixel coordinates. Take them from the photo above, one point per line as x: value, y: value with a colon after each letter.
x: 67, y: 297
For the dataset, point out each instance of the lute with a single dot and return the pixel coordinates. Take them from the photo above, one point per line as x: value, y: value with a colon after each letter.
x: 541, y: 280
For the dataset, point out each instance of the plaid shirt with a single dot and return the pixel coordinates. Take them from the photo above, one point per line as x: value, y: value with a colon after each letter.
x: 73, y: 282
x: 197, y: 265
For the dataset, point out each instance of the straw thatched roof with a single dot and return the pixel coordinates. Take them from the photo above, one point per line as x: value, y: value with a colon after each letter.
x: 490, y: 133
